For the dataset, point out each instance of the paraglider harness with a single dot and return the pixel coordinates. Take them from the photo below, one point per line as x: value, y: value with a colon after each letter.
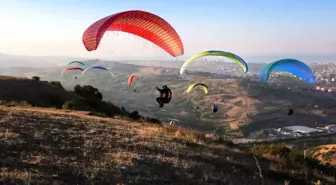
x: 290, y: 112
x: 165, y: 95
x: 214, y: 108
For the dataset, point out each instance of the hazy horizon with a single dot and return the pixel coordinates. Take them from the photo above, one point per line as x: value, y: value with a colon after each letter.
x: 21, y: 60
x: 258, y: 31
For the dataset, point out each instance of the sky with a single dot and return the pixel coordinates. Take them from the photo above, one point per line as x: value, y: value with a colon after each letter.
x: 245, y: 27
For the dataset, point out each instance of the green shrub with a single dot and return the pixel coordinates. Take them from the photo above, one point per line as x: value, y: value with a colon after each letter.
x: 72, y: 105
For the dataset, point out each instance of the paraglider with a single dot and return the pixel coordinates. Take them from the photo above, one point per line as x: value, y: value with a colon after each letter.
x: 165, y: 95
x: 229, y: 55
x: 70, y: 69
x: 292, y: 66
x: 78, y: 62
x: 97, y: 67
x: 214, y: 108
x: 290, y: 112
x: 130, y: 81
x: 143, y: 24
x: 204, y: 87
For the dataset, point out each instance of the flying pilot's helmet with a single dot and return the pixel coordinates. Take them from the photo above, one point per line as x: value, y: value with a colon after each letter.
x: 164, y: 87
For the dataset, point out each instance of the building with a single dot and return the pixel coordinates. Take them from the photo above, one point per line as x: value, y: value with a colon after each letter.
x: 331, y: 127
x: 302, y: 129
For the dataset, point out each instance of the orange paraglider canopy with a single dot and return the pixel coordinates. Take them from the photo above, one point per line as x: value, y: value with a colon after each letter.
x: 131, y: 79
x: 143, y: 24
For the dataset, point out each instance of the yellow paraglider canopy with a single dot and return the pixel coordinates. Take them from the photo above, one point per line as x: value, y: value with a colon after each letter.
x: 191, y: 87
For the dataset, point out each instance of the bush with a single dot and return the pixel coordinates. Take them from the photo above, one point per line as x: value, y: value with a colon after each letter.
x: 153, y: 120
x: 75, y: 105
x: 69, y: 105
x: 88, y: 92
x: 273, y: 149
x: 134, y: 115
x: 51, y: 99
x: 293, y: 160
x: 57, y: 83
x: 24, y: 104
x: 36, y: 78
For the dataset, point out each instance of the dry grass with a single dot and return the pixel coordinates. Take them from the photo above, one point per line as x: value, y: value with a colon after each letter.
x: 49, y: 145
x: 234, y: 125
x: 326, y: 154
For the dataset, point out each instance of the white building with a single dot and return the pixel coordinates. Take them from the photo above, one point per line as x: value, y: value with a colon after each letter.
x: 302, y: 129
x: 330, y: 127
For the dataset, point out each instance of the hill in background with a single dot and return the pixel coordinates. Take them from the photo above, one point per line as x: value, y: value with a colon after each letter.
x: 69, y: 146
x: 245, y: 105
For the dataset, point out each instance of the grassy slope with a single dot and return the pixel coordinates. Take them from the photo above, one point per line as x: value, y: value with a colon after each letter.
x: 43, y: 145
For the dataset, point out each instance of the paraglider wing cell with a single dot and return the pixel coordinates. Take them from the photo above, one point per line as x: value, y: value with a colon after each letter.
x: 143, y: 24
x: 229, y: 55
x: 292, y: 66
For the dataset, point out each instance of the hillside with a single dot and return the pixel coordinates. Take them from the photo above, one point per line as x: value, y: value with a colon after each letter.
x: 245, y: 105
x: 33, y: 92
x: 68, y: 147
x: 325, y: 153
x: 37, y: 93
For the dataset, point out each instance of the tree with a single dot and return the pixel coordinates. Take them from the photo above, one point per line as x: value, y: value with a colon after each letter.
x: 36, y: 78
x: 88, y: 92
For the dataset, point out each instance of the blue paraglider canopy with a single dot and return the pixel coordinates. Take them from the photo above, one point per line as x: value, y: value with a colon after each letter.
x: 292, y: 66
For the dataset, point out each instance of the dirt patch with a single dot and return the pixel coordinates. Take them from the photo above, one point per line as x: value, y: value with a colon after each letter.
x: 326, y: 154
